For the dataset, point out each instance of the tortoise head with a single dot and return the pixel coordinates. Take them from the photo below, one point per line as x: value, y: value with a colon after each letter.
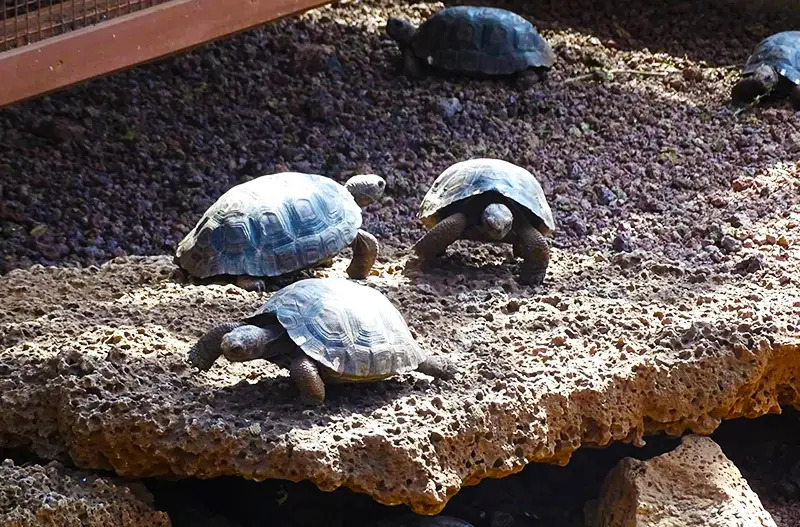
x: 248, y: 342
x: 754, y: 84
x: 400, y: 30
x: 366, y: 188
x: 497, y: 220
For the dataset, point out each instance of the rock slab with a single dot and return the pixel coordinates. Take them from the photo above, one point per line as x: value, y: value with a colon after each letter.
x: 695, y: 485
x: 54, y: 496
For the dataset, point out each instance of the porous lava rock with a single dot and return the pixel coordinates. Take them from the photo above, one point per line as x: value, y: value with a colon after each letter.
x: 695, y: 485
x: 94, y: 371
x: 53, y: 496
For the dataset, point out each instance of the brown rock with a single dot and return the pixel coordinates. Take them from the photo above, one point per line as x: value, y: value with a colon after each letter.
x: 54, y: 496
x: 70, y: 390
x: 695, y: 485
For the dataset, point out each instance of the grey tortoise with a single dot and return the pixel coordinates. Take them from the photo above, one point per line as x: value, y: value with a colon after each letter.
x: 281, y: 223
x: 488, y: 200
x: 323, y: 330
x: 773, y: 69
x: 415, y: 520
x: 473, y: 41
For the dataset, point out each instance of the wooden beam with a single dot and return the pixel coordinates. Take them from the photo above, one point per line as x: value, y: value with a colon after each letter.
x: 128, y: 40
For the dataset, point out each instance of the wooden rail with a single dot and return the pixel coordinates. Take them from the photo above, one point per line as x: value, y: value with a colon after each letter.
x: 164, y: 29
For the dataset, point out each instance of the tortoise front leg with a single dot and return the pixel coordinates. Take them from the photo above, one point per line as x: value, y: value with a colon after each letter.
x: 304, y: 373
x: 365, y: 251
x: 532, y: 247
x: 436, y: 240
x: 438, y: 367
x: 207, y: 349
x: 529, y: 77
x: 412, y: 65
x: 794, y: 97
x: 249, y: 283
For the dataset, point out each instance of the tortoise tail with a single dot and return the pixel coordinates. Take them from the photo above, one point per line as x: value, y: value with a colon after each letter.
x: 207, y: 349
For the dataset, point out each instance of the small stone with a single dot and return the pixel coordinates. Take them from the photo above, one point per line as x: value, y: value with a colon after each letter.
x: 750, y: 264
x: 449, y: 107
x: 622, y: 243
x: 770, y: 239
x: 730, y: 244
x: 739, y: 219
x: 604, y: 195
x: 782, y: 241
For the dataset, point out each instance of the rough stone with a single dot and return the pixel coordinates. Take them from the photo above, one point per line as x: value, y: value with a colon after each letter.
x: 94, y: 370
x: 54, y: 496
x: 695, y: 485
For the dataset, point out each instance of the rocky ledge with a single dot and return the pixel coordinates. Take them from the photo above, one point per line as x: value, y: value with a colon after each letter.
x: 94, y: 372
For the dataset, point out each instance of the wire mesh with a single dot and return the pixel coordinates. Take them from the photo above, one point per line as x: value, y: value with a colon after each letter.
x: 27, y: 21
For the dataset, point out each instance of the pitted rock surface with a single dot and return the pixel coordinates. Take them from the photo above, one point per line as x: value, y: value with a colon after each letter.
x: 695, y: 485
x: 54, y: 496
x: 94, y: 370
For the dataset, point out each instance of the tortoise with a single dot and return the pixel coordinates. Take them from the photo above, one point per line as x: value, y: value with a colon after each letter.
x: 473, y: 41
x: 415, y: 520
x: 487, y: 200
x: 772, y: 69
x: 277, y: 224
x: 323, y: 330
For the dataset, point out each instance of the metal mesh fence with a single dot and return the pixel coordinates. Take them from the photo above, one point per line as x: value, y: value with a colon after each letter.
x: 27, y: 21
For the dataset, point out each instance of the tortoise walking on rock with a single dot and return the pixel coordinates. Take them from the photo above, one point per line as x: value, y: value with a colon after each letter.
x: 281, y: 223
x: 772, y: 68
x: 487, y: 200
x: 323, y: 330
x: 476, y: 41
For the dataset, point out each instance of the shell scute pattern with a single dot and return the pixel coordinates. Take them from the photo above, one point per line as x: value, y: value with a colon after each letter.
x: 477, y: 176
x: 272, y: 225
x: 781, y: 51
x: 481, y: 39
x: 349, y: 328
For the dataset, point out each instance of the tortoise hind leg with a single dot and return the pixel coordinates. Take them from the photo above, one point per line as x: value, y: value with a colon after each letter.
x: 365, y: 251
x: 439, y: 367
x: 532, y: 247
x: 304, y: 373
x: 436, y: 240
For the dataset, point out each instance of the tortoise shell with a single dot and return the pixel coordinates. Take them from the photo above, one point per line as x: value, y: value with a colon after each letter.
x: 351, y: 329
x: 781, y: 51
x: 483, y: 40
x: 271, y: 225
x: 476, y: 176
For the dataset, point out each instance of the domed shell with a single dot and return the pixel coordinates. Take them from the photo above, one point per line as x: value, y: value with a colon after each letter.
x: 781, y: 51
x: 351, y: 329
x: 271, y: 225
x: 476, y: 176
x: 484, y: 40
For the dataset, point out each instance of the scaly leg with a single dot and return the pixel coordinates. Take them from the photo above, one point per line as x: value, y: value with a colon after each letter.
x: 532, y: 247
x: 412, y: 65
x: 249, y: 283
x: 794, y: 97
x: 207, y: 349
x: 436, y: 240
x: 305, y: 375
x: 439, y: 367
x: 365, y: 251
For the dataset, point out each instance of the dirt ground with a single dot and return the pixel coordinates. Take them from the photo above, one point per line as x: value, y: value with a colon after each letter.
x: 653, y: 166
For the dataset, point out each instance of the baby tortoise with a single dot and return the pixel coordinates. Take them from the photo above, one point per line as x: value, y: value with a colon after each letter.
x: 475, y: 41
x: 487, y: 200
x: 772, y: 69
x: 323, y: 330
x: 280, y: 223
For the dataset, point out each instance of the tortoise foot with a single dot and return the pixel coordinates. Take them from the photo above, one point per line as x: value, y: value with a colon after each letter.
x: 249, y: 283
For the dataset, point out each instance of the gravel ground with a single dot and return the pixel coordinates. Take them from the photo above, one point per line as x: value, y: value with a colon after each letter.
x: 654, y: 162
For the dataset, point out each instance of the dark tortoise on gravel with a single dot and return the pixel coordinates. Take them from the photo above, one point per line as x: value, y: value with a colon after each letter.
x: 487, y: 200
x: 280, y: 223
x: 772, y: 69
x: 323, y: 330
x: 476, y: 41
